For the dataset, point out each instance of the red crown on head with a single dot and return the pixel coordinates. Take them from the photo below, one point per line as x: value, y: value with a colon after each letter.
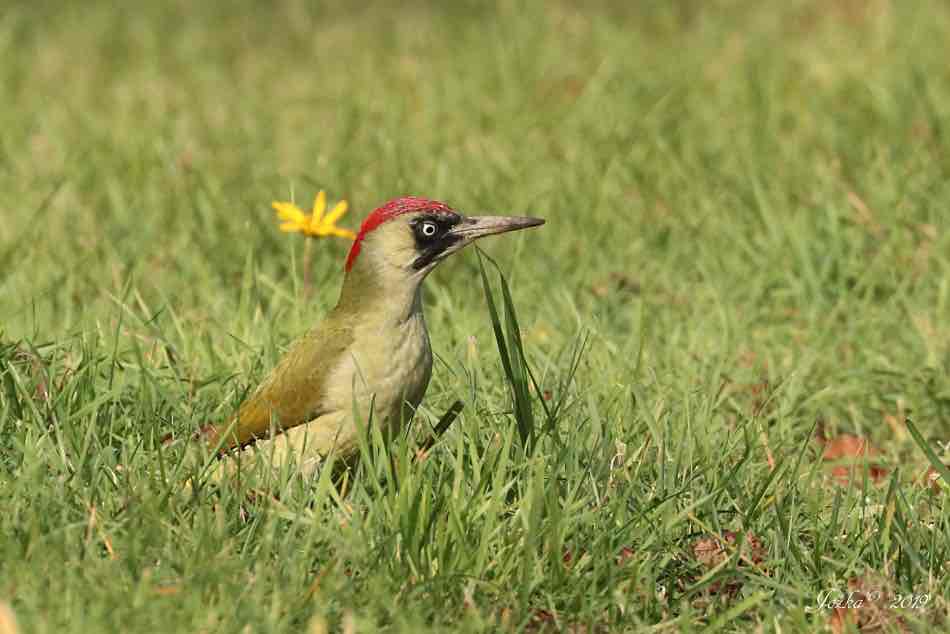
x: 395, y: 207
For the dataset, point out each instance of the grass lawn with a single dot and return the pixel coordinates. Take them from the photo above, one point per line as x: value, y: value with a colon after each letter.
x: 740, y: 300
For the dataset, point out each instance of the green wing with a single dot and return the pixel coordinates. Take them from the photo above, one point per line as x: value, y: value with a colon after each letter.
x: 294, y: 392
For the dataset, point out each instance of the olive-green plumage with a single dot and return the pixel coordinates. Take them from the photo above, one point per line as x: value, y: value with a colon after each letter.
x: 295, y: 390
x: 369, y: 359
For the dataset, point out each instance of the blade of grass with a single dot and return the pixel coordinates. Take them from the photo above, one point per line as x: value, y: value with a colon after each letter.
x: 512, y: 355
x: 935, y: 462
x: 519, y: 364
x: 443, y: 425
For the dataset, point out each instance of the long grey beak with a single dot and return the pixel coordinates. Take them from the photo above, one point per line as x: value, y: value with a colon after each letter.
x: 474, y: 227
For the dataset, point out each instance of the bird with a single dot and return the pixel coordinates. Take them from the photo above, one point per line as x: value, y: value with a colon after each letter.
x: 369, y: 360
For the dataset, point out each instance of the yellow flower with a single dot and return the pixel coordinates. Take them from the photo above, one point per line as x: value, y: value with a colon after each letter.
x: 316, y: 225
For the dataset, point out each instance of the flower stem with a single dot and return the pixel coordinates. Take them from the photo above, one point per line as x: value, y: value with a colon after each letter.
x: 307, y: 269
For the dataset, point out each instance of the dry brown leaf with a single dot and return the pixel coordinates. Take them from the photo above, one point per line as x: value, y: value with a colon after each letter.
x: 709, y: 551
x: 626, y: 554
x: 851, y: 453
x: 712, y: 550
x: 542, y: 620
x: 847, y: 446
x: 854, y: 474
x: 931, y: 479
x: 567, y: 558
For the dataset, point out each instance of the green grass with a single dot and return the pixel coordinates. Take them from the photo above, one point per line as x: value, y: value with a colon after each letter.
x: 735, y: 194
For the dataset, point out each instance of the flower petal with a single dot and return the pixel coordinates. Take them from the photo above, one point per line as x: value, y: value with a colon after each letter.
x: 336, y: 213
x: 288, y: 212
x: 290, y: 227
x: 344, y: 233
x: 319, y: 207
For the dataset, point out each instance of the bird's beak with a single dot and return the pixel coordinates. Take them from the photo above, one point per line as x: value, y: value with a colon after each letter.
x: 474, y: 227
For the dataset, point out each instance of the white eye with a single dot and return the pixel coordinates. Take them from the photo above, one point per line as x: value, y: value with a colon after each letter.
x: 428, y: 229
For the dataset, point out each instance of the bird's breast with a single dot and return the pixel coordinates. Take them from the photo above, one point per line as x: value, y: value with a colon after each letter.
x: 387, y: 371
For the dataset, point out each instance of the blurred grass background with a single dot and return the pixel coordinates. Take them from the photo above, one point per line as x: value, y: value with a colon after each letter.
x: 740, y: 197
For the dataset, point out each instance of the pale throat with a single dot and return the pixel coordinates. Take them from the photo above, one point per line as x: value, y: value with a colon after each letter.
x: 385, y: 297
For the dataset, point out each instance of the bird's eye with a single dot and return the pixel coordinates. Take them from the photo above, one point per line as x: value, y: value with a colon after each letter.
x: 429, y: 229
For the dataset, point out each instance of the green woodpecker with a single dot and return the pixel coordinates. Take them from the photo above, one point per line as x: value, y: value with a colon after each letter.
x: 369, y: 359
